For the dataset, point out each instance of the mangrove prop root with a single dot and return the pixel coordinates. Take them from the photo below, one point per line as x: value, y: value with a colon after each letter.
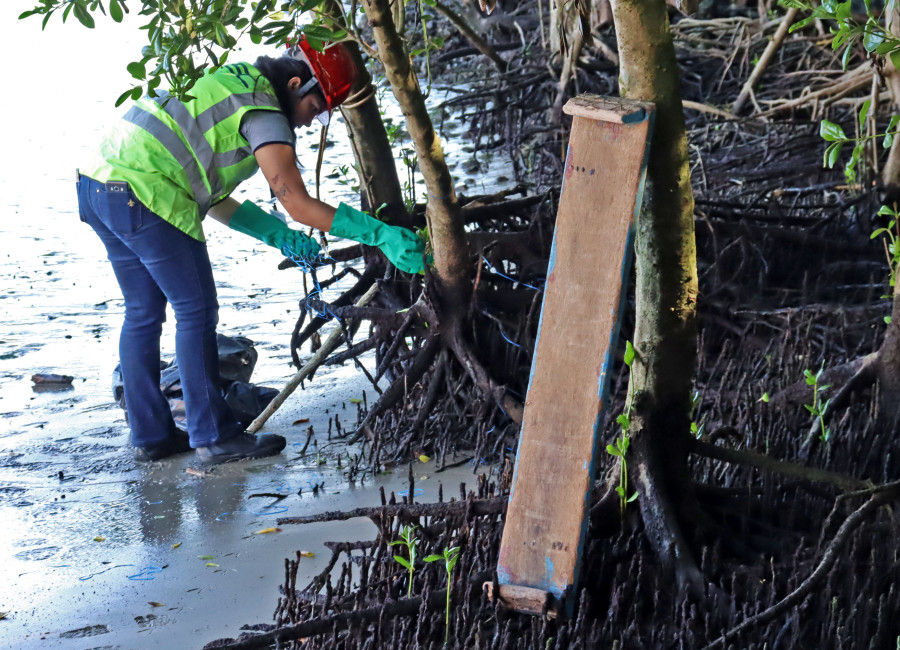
x: 829, y: 558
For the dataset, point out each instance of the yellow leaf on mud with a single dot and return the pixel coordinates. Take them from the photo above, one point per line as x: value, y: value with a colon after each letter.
x: 206, y: 557
x: 153, y: 603
x: 268, y: 530
x: 307, y: 554
x: 355, y: 400
x: 423, y: 458
x: 176, y: 545
x: 99, y: 539
x: 211, y: 564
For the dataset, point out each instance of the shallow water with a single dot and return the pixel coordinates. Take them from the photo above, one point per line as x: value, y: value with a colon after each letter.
x: 98, y: 551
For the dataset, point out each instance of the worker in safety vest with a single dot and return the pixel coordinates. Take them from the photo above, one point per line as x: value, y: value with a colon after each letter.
x: 165, y: 165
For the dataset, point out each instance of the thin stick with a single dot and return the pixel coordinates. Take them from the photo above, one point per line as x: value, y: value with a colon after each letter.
x: 764, y: 60
x: 328, y: 346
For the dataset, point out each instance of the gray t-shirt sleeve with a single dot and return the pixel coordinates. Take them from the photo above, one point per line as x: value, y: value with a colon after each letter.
x: 266, y: 127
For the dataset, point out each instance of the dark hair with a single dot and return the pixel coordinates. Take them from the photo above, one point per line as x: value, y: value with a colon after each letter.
x: 279, y: 71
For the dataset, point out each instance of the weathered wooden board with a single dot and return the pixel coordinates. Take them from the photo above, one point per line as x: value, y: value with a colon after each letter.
x: 559, y: 446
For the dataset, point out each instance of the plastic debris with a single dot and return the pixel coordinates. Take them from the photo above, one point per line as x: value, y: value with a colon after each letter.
x: 423, y: 458
x: 307, y: 554
x: 273, y: 529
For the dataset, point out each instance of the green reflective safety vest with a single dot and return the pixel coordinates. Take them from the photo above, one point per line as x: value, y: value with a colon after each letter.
x: 179, y: 158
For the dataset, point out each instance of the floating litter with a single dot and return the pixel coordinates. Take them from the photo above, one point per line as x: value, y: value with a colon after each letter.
x: 224, y: 515
x: 153, y: 503
x: 97, y: 573
x: 147, y: 573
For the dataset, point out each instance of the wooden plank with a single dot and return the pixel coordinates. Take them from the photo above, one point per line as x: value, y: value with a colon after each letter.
x: 608, y: 109
x: 559, y: 445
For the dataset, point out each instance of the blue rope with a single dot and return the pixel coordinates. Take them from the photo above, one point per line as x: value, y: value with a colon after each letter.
x: 494, y: 270
x: 309, y: 265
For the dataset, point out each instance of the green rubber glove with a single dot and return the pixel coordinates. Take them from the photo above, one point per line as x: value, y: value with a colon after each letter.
x: 401, y: 246
x: 252, y: 220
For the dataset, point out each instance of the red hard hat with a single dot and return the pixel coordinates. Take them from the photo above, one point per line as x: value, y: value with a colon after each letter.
x: 333, y: 68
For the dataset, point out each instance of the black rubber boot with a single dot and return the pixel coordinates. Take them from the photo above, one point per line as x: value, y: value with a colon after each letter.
x: 177, y: 443
x: 241, y: 447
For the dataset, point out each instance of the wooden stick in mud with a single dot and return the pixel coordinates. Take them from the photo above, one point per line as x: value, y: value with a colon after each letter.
x: 328, y: 346
x: 477, y: 507
x: 764, y: 60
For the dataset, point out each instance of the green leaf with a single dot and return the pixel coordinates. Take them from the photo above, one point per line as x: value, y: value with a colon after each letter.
x: 809, y: 408
x: 889, y: 133
x: 895, y: 58
x: 434, y: 558
x: 887, y: 319
x: 831, y: 132
x: 629, y: 353
x: 613, y: 451
x: 323, y: 33
x: 884, y: 211
x: 137, y: 70
x: 632, y: 497
x: 624, y: 421
x: 878, y: 232
x: 401, y: 561
x: 873, y: 37
x: 764, y: 398
x: 84, y: 16
x: 136, y: 93
x: 845, y: 59
x: 124, y: 96
x: 833, y: 154
x: 800, y: 24
x: 115, y: 10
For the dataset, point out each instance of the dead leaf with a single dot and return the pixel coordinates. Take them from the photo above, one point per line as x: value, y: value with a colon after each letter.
x: 176, y: 545
x: 211, y: 564
x: 424, y: 459
x: 273, y: 529
x: 99, y: 539
x: 153, y: 603
x: 301, y: 421
x: 355, y: 400
x: 206, y: 557
x: 307, y: 554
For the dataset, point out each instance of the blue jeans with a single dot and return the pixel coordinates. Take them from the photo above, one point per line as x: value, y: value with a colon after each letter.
x: 156, y: 263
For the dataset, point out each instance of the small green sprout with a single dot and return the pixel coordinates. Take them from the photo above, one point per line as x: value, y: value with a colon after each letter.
x: 409, y: 540
x: 623, y: 441
x: 449, y: 557
x: 818, y: 407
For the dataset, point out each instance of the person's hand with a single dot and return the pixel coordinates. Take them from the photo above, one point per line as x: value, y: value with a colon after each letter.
x: 401, y: 246
x: 252, y: 220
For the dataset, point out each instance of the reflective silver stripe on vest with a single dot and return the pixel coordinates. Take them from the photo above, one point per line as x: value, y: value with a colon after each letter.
x: 194, y: 130
x: 173, y: 144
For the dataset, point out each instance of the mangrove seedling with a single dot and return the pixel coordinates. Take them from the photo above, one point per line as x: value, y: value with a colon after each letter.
x: 449, y: 556
x: 623, y: 441
x: 407, y: 539
x: 818, y: 407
